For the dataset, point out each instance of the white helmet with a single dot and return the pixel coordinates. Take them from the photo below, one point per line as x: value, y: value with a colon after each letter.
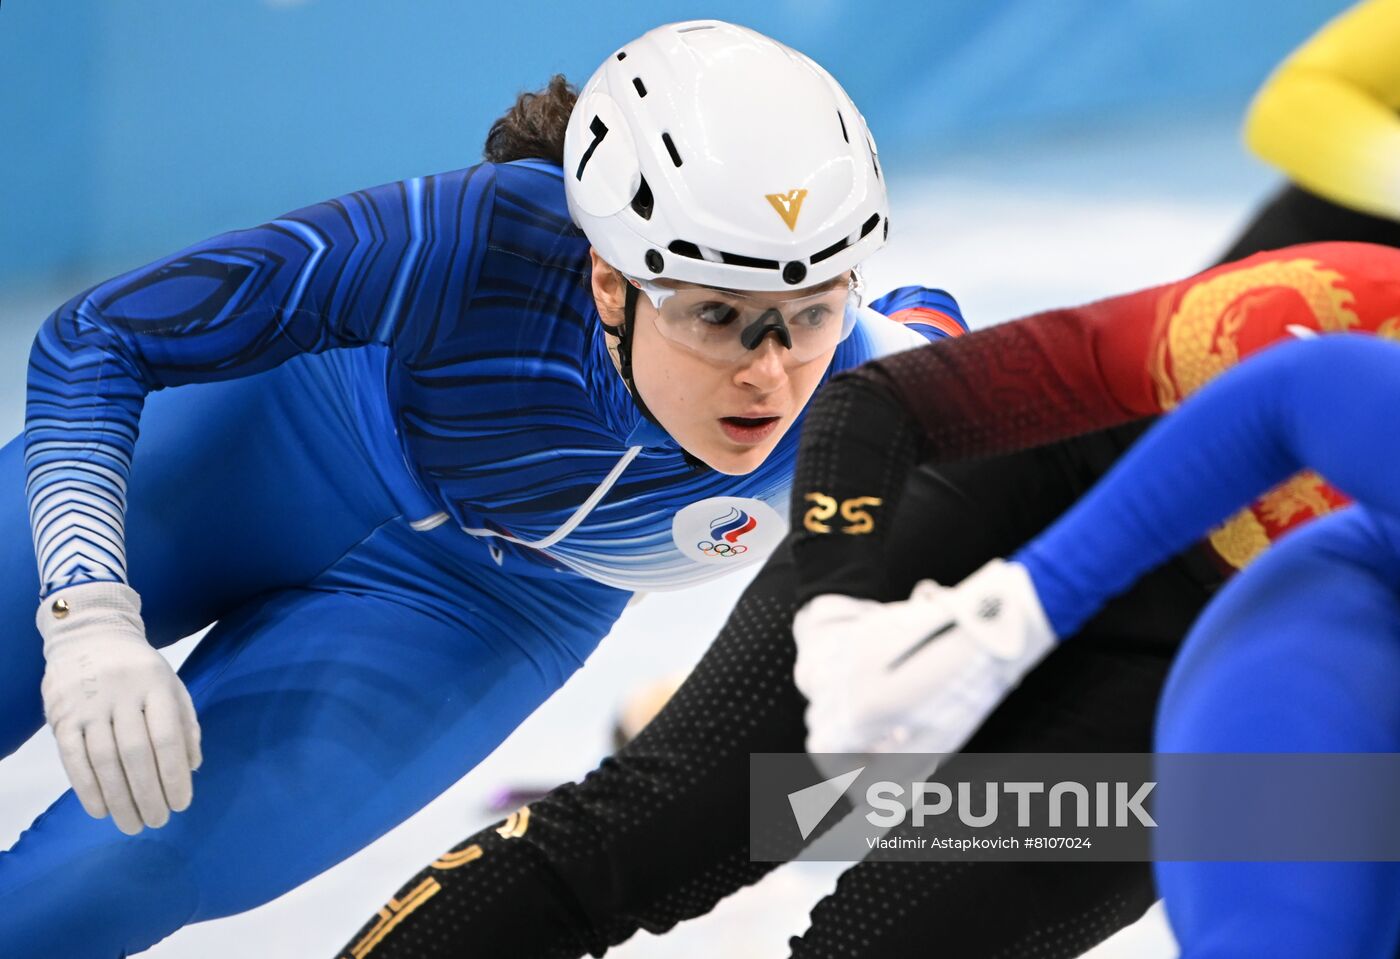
x: 708, y: 153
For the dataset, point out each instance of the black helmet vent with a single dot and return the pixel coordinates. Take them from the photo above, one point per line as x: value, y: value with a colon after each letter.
x: 643, y: 203
x: 692, y: 251
x: 671, y: 148
x: 830, y: 251
x: 738, y: 259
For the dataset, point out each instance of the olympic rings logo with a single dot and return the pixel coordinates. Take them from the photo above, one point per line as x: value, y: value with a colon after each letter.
x: 727, y: 550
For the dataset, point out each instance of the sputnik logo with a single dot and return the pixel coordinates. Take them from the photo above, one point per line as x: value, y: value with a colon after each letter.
x: 810, y: 805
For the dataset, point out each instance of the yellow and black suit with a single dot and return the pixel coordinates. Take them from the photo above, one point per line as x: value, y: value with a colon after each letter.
x: 1329, y: 118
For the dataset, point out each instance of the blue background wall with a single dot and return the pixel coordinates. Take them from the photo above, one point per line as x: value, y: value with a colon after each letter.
x: 129, y: 129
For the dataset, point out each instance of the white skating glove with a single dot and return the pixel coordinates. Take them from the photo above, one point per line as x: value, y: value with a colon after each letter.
x: 125, y: 725
x: 919, y: 675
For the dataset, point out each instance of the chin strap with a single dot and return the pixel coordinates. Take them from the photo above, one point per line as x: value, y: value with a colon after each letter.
x: 624, y: 361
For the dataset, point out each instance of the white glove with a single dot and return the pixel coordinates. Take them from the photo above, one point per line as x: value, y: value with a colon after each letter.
x: 125, y: 725
x: 919, y: 675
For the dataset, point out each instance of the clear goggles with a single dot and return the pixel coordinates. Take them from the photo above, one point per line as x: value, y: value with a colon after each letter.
x: 725, y: 326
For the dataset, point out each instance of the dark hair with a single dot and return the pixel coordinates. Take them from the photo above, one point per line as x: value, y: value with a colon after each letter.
x: 533, y: 128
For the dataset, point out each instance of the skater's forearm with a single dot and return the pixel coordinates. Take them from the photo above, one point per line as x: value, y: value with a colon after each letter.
x: 1048, y: 377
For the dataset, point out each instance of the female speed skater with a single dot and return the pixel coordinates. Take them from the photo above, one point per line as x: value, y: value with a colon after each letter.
x: 442, y: 430
x: 599, y: 859
x: 659, y: 832
x: 1298, y: 654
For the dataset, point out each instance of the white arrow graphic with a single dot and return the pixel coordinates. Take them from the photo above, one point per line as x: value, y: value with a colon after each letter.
x: 810, y: 805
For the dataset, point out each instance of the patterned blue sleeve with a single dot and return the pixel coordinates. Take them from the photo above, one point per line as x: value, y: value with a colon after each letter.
x: 1326, y: 403
x: 349, y: 271
x: 934, y: 314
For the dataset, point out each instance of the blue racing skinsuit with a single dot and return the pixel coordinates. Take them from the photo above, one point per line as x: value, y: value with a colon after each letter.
x: 1299, y: 653
x: 411, y: 488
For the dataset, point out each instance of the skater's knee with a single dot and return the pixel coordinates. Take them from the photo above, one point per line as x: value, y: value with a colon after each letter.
x: 106, y: 901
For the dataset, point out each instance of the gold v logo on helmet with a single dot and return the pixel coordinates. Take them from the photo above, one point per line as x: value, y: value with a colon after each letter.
x: 788, y: 205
